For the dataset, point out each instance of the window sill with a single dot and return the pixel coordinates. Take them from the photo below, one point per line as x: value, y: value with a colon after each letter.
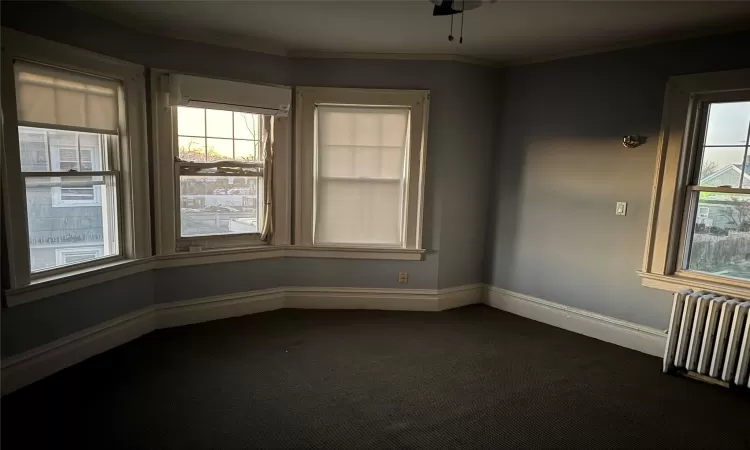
x: 679, y: 282
x: 286, y: 251
x: 76, y: 279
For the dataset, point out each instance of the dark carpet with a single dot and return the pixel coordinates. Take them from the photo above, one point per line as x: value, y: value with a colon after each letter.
x: 471, y: 377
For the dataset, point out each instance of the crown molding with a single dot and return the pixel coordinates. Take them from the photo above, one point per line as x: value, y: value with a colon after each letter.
x: 662, y: 39
x: 393, y: 56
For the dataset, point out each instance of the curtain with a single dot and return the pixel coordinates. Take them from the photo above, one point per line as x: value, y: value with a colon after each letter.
x: 267, y: 230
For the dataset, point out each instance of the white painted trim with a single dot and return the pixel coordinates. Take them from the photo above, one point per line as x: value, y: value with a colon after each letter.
x: 615, y: 331
x: 76, y: 279
x: 71, y: 280
x: 35, y: 364
x: 311, y: 54
x: 175, y: 314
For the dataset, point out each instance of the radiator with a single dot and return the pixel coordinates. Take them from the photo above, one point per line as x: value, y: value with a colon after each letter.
x: 709, y: 335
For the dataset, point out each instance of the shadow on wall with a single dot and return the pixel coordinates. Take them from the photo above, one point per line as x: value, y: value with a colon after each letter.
x: 560, y: 168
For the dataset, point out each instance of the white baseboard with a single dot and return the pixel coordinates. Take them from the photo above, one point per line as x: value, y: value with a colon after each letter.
x: 35, y: 364
x: 626, y: 334
x: 175, y: 314
x: 27, y: 367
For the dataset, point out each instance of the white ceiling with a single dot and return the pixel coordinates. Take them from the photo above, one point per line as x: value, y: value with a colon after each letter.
x: 501, y: 31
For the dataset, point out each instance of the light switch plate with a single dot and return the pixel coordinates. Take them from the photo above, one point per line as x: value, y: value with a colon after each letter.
x: 622, y: 208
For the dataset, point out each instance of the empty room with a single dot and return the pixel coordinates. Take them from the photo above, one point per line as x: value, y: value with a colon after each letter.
x: 375, y: 224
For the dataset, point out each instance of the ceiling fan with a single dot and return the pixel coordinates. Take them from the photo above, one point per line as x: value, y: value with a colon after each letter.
x: 453, y: 7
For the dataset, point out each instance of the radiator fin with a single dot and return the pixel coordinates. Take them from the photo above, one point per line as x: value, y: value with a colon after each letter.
x: 709, y: 335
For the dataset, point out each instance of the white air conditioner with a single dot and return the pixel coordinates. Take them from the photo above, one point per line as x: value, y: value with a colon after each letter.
x: 212, y: 93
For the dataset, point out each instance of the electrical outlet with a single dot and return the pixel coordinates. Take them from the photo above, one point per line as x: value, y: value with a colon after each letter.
x: 403, y: 277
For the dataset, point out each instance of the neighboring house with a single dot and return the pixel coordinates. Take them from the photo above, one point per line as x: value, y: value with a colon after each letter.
x: 728, y: 176
x: 65, y: 222
x: 719, y: 210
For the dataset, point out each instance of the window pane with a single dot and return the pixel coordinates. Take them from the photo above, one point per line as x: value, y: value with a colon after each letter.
x: 71, y: 220
x: 33, y: 146
x: 219, y: 205
x: 247, y: 126
x: 722, y: 166
x: 728, y: 123
x: 246, y: 150
x: 191, y: 121
x: 192, y: 149
x: 720, y: 244
x: 359, y: 212
x: 219, y: 123
x: 219, y: 149
x: 43, y: 150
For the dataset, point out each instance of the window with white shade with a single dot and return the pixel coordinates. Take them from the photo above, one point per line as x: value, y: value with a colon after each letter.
x: 74, y: 166
x: 361, y: 156
x: 360, y: 177
x: 68, y: 134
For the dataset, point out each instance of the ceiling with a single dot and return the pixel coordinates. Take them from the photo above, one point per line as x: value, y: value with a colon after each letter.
x: 499, y: 31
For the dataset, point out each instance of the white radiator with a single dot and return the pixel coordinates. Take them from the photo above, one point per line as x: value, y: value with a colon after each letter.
x: 709, y: 334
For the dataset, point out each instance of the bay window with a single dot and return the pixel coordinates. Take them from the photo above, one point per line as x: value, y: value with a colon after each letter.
x: 699, y: 235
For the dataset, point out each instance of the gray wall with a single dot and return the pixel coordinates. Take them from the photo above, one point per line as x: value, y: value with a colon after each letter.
x: 560, y: 167
x: 459, y: 148
x: 36, y: 323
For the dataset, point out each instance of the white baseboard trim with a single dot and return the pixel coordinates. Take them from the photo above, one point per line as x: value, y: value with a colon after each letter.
x: 620, y: 332
x: 35, y: 364
x: 175, y: 314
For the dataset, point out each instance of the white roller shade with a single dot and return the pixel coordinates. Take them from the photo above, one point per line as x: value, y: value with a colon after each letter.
x: 360, y: 180
x: 212, y: 93
x: 56, y: 98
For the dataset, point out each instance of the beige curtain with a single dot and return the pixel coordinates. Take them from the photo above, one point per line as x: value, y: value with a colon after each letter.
x: 267, y: 230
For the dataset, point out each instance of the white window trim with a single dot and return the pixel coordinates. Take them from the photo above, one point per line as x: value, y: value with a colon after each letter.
x: 134, y: 207
x: 168, y: 241
x: 305, y: 100
x: 676, y: 154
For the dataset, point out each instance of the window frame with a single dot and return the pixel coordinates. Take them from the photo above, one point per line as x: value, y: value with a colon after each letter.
x: 132, y: 179
x: 54, y: 164
x: 167, y: 199
x: 306, y: 99
x: 678, y: 158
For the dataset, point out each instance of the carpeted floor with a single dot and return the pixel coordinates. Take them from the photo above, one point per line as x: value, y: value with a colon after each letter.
x: 471, y: 377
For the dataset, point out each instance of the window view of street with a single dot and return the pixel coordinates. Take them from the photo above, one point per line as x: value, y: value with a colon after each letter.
x: 218, y: 204
x: 720, y: 243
